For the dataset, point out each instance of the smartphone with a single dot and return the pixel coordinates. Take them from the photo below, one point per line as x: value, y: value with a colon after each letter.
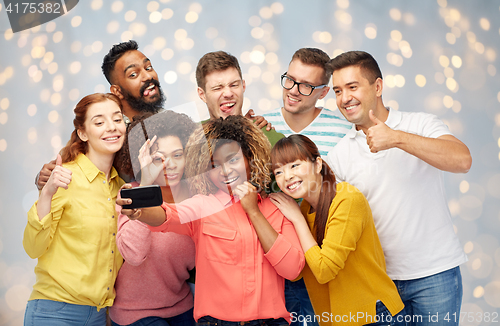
x: 146, y: 196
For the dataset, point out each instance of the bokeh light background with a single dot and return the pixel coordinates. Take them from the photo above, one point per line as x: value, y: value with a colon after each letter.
x: 436, y: 56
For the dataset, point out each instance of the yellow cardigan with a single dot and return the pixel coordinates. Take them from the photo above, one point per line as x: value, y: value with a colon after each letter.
x: 346, y: 276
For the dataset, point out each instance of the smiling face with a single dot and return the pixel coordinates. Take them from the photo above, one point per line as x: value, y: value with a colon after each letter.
x: 293, y: 101
x: 230, y: 167
x: 300, y: 179
x: 356, y: 96
x: 170, y: 150
x: 104, y: 128
x: 136, y: 82
x: 223, y: 93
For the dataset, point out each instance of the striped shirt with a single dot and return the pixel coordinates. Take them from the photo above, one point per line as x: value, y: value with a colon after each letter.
x: 325, y: 131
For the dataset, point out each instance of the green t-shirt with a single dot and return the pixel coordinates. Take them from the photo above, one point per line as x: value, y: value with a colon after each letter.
x: 272, y: 135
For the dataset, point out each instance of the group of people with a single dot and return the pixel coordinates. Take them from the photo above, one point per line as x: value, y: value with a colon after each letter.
x: 371, y: 242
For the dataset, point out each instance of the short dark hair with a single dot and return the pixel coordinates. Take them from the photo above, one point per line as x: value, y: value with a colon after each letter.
x: 115, y: 53
x: 369, y: 66
x: 315, y: 57
x: 215, y: 61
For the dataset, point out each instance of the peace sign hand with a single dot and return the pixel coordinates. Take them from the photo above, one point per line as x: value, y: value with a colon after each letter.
x: 151, y: 165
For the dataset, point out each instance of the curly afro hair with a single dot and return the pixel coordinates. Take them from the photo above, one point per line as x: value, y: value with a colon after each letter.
x: 207, y: 139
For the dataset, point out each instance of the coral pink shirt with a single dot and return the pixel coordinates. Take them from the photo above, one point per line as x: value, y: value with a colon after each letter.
x: 235, y: 279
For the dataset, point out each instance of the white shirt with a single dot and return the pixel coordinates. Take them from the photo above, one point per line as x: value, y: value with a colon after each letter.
x: 406, y: 196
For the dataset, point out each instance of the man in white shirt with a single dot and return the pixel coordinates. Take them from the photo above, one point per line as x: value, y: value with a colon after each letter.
x: 304, y: 83
x: 397, y: 160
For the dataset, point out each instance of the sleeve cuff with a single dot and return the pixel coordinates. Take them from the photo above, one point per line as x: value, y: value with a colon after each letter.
x: 164, y: 226
x: 278, y: 251
x: 35, y: 222
x: 313, y: 254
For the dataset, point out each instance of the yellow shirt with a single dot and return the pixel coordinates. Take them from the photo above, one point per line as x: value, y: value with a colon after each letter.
x: 75, y: 243
x: 346, y: 276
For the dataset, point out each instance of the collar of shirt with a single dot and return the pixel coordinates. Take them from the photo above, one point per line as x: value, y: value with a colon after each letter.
x: 394, y: 118
x: 89, y: 169
x: 225, y: 199
x: 392, y: 121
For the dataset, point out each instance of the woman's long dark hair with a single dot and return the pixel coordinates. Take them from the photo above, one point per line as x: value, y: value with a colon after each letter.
x: 299, y: 147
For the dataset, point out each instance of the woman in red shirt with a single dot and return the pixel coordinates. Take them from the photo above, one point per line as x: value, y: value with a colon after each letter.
x: 245, y: 247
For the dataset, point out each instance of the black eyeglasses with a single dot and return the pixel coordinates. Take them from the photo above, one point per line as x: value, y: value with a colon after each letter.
x: 304, y: 89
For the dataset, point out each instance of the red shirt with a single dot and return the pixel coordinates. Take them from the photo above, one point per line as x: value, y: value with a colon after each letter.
x: 235, y: 280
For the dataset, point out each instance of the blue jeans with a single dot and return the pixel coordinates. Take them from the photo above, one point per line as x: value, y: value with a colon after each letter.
x: 433, y: 300
x: 210, y: 321
x: 385, y: 319
x: 56, y: 313
x: 298, y: 304
x: 184, y: 319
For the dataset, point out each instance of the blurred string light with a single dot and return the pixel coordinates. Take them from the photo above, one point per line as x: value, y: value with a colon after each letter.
x: 395, y: 14
x: 117, y: 6
x: 167, y: 13
x: 322, y: 37
x: 193, y: 14
x: 167, y: 54
x: 343, y: 17
x: 6, y: 74
x: 3, y: 118
x: 393, y: 104
x: 3, y: 145
x: 76, y: 21
x: 371, y: 31
x: 394, y: 81
x: 420, y: 80
x: 32, y: 109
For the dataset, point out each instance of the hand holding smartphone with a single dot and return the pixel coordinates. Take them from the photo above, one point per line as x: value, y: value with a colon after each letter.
x: 146, y: 196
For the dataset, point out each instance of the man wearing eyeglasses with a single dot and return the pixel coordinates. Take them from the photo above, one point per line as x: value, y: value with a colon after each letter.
x: 304, y: 83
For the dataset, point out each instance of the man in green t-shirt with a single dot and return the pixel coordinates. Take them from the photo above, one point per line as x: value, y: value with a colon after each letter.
x: 221, y: 87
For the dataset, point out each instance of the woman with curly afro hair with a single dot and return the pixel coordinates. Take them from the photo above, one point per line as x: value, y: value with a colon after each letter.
x: 245, y: 247
x: 152, y: 287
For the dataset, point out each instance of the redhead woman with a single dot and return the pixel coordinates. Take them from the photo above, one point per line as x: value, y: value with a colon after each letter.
x: 72, y: 226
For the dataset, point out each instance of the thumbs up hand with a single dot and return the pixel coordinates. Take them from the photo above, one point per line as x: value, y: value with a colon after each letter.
x: 60, y: 177
x: 379, y: 136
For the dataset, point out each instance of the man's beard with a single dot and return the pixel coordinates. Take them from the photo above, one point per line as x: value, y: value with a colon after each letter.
x: 138, y: 103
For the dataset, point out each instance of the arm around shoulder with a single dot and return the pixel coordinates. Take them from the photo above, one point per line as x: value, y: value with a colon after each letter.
x: 343, y: 230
